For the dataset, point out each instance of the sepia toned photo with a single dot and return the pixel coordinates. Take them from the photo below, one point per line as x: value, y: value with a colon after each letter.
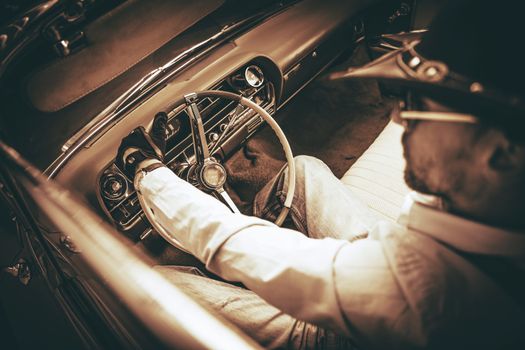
x: 294, y: 174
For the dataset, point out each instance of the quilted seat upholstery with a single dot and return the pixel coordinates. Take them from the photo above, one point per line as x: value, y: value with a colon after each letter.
x: 377, y: 176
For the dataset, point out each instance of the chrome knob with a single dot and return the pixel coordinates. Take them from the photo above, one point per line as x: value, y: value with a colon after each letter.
x: 213, y: 136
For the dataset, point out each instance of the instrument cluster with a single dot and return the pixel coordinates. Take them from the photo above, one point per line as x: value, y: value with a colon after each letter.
x: 226, y: 124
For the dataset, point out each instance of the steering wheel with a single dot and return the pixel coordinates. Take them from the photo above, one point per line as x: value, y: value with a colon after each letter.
x: 204, y: 171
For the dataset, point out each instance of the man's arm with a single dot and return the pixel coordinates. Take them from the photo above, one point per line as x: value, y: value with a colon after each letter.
x: 307, y: 278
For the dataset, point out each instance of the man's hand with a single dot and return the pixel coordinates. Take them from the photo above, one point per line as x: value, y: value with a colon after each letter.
x: 139, y: 146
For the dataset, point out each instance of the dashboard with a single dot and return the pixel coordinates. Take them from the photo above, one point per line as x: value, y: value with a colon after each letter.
x: 227, y: 125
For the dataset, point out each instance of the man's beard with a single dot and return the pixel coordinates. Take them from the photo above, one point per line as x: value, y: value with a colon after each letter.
x: 415, y: 182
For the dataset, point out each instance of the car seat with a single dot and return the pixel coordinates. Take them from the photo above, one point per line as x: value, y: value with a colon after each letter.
x: 377, y: 177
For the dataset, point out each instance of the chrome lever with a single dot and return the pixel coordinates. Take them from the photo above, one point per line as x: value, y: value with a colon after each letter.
x: 228, y: 200
x: 200, y: 146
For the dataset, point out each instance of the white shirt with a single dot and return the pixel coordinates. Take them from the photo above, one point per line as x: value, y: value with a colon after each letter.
x: 405, y: 286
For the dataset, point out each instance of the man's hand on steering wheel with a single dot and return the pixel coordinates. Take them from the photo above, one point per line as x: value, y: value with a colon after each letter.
x: 140, y: 145
x: 142, y: 151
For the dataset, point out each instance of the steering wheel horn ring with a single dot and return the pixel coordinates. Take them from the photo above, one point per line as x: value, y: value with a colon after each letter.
x: 212, y: 174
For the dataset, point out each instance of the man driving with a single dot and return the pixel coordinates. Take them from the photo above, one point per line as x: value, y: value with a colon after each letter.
x: 449, y: 274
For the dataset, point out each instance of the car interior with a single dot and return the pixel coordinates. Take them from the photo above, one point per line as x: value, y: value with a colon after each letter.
x: 81, y: 82
x: 69, y: 99
x: 332, y: 120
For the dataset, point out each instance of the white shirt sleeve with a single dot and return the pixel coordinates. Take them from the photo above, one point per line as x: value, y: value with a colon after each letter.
x: 289, y: 270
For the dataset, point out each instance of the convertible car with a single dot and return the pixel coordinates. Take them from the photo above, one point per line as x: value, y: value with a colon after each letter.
x: 77, y: 76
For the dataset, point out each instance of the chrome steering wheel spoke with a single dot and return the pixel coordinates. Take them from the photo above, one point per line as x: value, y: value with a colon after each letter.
x: 200, y: 146
x: 227, y: 199
x: 205, y: 163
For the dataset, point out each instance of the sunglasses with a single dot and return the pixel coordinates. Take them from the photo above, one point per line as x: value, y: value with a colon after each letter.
x: 412, y: 109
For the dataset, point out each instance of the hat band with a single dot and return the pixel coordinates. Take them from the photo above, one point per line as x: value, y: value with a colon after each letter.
x: 418, y: 68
